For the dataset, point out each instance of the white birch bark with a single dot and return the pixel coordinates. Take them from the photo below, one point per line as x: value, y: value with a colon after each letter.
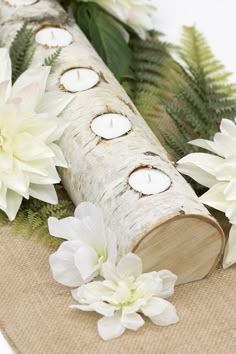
x: 170, y: 230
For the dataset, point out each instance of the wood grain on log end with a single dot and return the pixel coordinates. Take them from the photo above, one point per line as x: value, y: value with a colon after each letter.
x: 190, y: 246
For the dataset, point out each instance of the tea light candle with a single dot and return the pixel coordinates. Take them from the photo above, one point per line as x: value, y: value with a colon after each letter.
x: 21, y: 2
x: 79, y: 79
x: 53, y: 37
x: 111, y: 125
x: 149, y: 181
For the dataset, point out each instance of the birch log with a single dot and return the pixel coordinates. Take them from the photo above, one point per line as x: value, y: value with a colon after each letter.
x: 171, y: 229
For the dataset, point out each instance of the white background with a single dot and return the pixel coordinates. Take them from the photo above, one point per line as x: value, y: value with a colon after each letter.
x: 216, y: 19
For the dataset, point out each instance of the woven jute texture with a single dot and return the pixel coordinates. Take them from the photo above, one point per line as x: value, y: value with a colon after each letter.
x: 36, y: 318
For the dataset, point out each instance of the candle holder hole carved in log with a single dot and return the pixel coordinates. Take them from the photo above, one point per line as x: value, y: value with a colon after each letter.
x: 78, y: 79
x: 149, y: 180
x: 110, y: 126
x: 53, y: 35
x: 21, y: 3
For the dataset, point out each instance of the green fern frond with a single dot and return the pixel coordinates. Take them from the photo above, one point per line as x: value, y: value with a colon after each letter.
x: 52, y: 59
x: 21, y: 51
x: 152, y: 64
x: 32, y: 219
x: 201, y: 95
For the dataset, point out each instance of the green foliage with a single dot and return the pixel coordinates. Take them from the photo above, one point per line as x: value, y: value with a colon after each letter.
x: 106, y: 37
x: 153, y: 66
x: 52, y: 58
x: 21, y: 51
x: 202, y: 95
x: 31, y: 220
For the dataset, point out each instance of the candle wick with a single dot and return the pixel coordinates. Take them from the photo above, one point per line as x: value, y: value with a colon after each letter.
x: 149, y: 178
x: 52, y: 35
x: 78, y: 74
x: 111, y: 123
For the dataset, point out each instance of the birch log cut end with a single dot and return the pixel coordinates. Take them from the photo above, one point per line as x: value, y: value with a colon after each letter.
x: 186, y: 245
x: 170, y: 229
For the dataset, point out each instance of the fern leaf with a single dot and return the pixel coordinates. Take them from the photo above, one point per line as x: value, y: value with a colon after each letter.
x: 152, y: 64
x: 21, y: 51
x: 32, y: 220
x: 202, y: 94
x: 52, y: 59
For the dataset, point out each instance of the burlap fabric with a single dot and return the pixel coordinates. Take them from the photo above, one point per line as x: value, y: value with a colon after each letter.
x: 36, y: 318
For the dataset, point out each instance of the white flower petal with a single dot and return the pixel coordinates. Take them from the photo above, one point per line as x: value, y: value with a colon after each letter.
x: 59, y: 158
x: 190, y: 166
x: 29, y: 98
x: 130, y: 265
x: 82, y: 307
x: 109, y: 272
x: 85, y: 209
x: 227, y: 170
x: 43, y: 127
x: 6, y: 160
x: 3, y: 196
x: 93, y: 233
x: 231, y: 212
x: 63, y: 266
x: 86, y: 260
x: 205, y: 144
x: 38, y: 76
x: 110, y: 327
x: 168, y: 283
x: 54, y: 102
x: 46, y: 174
x: 46, y: 193
x: 13, y: 204
x: 230, y: 249
x: 225, y: 144
x: 228, y: 127
x: 230, y: 191
x: 16, y: 180
x: 91, y: 292
x: 5, y: 88
x: 103, y: 308
x: 27, y: 147
x: 154, y: 307
x: 205, y: 162
x: 215, y: 197
x: 148, y: 284
x: 132, y: 321
x: 5, y: 71
x: 133, y: 307
x: 93, y: 225
x: 65, y: 228
x: 167, y: 317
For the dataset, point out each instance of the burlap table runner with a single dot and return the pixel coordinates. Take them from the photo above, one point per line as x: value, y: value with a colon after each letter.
x: 36, y: 318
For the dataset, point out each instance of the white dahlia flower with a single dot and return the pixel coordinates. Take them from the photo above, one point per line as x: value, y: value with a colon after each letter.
x: 217, y: 171
x: 140, y: 15
x: 124, y: 294
x: 29, y: 128
x: 89, y: 245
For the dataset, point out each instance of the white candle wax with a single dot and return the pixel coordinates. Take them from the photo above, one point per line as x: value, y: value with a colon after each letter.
x: 20, y: 3
x: 111, y: 125
x: 53, y: 37
x: 149, y: 181
x: 80, y: 79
